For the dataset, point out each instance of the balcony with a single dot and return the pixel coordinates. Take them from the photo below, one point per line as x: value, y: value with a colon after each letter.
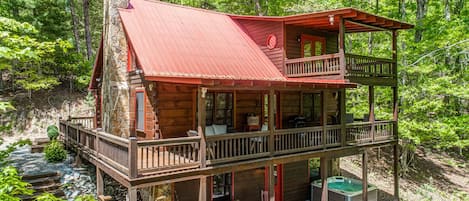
x: 356, y: 68
x: 132, y: 158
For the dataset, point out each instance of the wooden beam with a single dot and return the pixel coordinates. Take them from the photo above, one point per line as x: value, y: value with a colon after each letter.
x: 365, y: 176
x: 271, y: 183
x: 371, y: 103
x: 203, y: 189
x: 99, y: 182
x: 201, y: 93
x: 341, y: 35
x: 323, y: 169
x: 324, y: 118
x: 133, y: 169
x: 396, y: 171
x: 132, y: 193
x: 343, y: 120
x: 367, y: 25
x: 271, y: 121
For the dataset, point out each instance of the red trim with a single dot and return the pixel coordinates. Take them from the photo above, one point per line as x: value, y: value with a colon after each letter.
x: 129, y: 58
x: 139, y: 90
x: 279, y: 185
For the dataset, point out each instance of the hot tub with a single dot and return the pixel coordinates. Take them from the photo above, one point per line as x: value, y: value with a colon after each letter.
x: 343, y: 189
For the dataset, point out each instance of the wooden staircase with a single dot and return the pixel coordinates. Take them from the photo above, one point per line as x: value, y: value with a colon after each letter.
x: 43, y: 182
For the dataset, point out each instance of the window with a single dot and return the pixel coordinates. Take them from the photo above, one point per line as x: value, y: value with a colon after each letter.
x: 312, y: 45
x: 140, y: 110
x: 222, y: 187
x: 219, y: 109
x: 312, y: 108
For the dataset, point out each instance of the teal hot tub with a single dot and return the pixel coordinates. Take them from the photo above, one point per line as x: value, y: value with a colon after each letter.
x: 342, y: 189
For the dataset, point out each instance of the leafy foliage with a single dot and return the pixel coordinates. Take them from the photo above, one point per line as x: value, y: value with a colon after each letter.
x: 85, y: 198
x: 55, y: 152
x: 52, y: 132
x: 11, y: 185
x: 48, y: 197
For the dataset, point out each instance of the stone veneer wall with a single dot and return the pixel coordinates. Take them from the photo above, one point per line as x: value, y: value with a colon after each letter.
x: 115, y: 88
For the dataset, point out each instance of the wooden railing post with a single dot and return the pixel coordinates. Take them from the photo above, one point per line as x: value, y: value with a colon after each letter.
x: 133, y: 154
x: 343, y: 118
x: 201, y: 125
x: 324, y: 118
x: 371, y: 102
x: 271, y: 122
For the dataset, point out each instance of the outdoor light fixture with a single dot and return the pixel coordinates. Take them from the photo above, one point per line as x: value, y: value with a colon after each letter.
x: 138, y: 71
x: 331, y: 19
x: 98, y: 79
x: 298, y: 38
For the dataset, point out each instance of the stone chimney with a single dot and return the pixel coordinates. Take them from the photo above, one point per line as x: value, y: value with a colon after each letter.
x: 115, y: 88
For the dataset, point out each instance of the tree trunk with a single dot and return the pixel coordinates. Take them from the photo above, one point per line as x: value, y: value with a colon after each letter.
x: 75, y: 25
x: 459, y: 5
x: 258, y: 8
x: 86, y: 15
x: 421, y: 12
x: 447, y: 10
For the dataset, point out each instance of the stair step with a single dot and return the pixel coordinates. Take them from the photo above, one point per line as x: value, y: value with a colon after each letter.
x: 28, y: 177
x: 44, y: 180
x: 47, y: 188
x: 57, y: 193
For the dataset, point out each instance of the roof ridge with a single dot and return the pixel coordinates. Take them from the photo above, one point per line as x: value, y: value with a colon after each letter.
x: 185, y: 7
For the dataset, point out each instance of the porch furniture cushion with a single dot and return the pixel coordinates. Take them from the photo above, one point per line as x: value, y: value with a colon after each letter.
x: 192, y: 133
x: 220, y: 129
x: 209, y: 131
x: 264, y: 127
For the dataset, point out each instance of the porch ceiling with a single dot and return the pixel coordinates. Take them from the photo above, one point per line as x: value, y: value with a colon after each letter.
x: 356, y: 21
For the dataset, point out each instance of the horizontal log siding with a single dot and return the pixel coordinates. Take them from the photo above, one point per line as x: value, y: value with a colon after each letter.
x: 293, y: 47
x: 247, y: 102
x: 295, y: 181
x: 248, y: 184
x: 151, y: 124
x: 259, y: 30
x: 290, y: 106
x: 187, y: 190
x: 176, y: 109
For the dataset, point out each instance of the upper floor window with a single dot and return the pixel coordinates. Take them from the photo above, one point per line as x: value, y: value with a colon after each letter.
x: 140, y: 110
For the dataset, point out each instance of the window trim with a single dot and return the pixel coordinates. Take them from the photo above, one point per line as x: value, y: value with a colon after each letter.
x: 139, y: 90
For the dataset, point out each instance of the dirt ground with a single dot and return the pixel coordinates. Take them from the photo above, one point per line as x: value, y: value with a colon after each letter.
x: 433, y: 176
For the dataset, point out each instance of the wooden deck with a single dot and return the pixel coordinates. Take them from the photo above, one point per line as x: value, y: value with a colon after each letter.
x: 357, y: 68
x: 134, y: 159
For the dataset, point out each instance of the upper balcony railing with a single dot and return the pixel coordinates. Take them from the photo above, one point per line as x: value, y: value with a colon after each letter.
x: 139, y: 158
x: 353, y: 66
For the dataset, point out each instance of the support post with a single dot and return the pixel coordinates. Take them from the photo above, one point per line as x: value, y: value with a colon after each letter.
x: 271, y: 121
x: 271, y: 183
x: 132, y: 193
x: 342, y: 47
x: 343, y: 118
x: 396, y: 171
x: 365, y: 176
x: 323, y: 169
x: 203, y: 188
x: 99, y: 182
x: 201, y: 92
x: 324, y: 118
x: 371, y: 102
x: 133, y: 154
x: 394, y: 54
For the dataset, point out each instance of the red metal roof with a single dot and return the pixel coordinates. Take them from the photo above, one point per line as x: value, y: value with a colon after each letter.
x: 181, y: 42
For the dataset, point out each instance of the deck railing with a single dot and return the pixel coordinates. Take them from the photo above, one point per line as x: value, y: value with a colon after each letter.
x: 237, y: 146
x: 332, y: 64
x: 328, y: 64
x: 364, y: 66
x: 138, y: 158
x: 87, y: 122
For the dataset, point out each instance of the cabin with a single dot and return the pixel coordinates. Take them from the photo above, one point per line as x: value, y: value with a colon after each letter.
x: 193, y: 104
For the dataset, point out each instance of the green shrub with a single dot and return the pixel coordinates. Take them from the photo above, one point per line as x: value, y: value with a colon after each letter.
x: 11, y: 185
x: 52, y: 132
x: 48, y: 197
x: 55, y: 152
x: 85, y: 198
